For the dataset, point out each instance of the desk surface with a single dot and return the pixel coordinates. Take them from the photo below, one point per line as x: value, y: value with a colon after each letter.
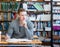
x: 32, y: 42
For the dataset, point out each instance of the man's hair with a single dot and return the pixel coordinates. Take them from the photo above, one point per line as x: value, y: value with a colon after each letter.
x: 20, y: 10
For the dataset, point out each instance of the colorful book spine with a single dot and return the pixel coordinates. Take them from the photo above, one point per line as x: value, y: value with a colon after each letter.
x: 0, y: 6
x: 38, y: 7
x: 1, y: 27
x: 6, y: 25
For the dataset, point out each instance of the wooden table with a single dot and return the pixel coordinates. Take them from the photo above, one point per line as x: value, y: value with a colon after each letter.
x: 33, y: 43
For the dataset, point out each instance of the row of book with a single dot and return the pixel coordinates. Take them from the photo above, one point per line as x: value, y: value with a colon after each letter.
x: 24, y: 0
x: 28, y: 6
x: 5, y: 6
x: 44, y: 34
x: 56, y: 9
x: 40, y: 17
x: 56, y: 32
x: 7, y: 16
x: 4, y: 26
x: 41, y: 25
x: 37, y: 6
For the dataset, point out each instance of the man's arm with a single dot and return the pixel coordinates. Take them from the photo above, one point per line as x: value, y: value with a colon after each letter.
x: 29, y: 30
x: 10, y: 31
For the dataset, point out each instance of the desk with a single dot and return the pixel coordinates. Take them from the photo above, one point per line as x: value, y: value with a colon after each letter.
x: 33, y: 43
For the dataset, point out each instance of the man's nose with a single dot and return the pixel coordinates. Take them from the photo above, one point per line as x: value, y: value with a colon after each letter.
x: 24, y: 18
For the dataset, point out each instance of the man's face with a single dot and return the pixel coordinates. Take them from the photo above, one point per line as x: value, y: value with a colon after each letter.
x: 22, y: 16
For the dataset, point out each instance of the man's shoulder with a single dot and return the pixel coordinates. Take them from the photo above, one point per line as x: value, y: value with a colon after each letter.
x: 29, y: 22
x: 13, y: 22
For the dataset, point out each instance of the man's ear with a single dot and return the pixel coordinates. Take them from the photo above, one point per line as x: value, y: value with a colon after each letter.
x: 17, y: 16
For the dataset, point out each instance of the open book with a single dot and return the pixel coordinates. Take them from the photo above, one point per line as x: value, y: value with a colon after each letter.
x: 18, y: 40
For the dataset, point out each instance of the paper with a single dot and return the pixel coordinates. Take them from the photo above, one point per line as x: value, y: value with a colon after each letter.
x: 18, y: 40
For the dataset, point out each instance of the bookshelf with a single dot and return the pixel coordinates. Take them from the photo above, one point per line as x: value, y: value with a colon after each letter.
x: 7, y: 14
x: 39, y: 14
x: 56, y: 21
x: 41, y: 19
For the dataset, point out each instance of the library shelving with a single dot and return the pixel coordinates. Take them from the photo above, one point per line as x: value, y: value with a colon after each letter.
x: 39, y: 13
x: 56, y: 21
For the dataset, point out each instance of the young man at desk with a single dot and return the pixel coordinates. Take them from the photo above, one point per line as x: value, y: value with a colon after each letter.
x: 22, y: 27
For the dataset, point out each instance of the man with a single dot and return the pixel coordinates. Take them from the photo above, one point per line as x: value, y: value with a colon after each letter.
x: 22, y: 27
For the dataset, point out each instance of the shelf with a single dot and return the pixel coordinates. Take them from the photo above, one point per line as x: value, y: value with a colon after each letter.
x: 39, y: 1
x: 46, y: 43
x: 56, y: 13
x: 55, y: 19
x: 56, y: 5
x: 5, y: 21
x: 48, y: 29
x: 40, y: 20
x: 8, y: 0
x: 3, y: 30
x: 7, y: 11
x: 38, y: 12
x: 56, y: 43
x: 47, y: 1
x: 38, y: 30
x: 34, y: 1
x: 35, y: 20
x: 23, y: 1
x: 56, y: 37
x: 56, y: 1
x: 35, y: 11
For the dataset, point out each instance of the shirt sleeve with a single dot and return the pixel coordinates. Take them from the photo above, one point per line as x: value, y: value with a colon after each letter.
x: 10, y: 30
x: 29, y: 30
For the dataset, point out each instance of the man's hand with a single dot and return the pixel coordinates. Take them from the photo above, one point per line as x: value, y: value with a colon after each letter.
x: 25, y: 24
x: 7, y: 37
